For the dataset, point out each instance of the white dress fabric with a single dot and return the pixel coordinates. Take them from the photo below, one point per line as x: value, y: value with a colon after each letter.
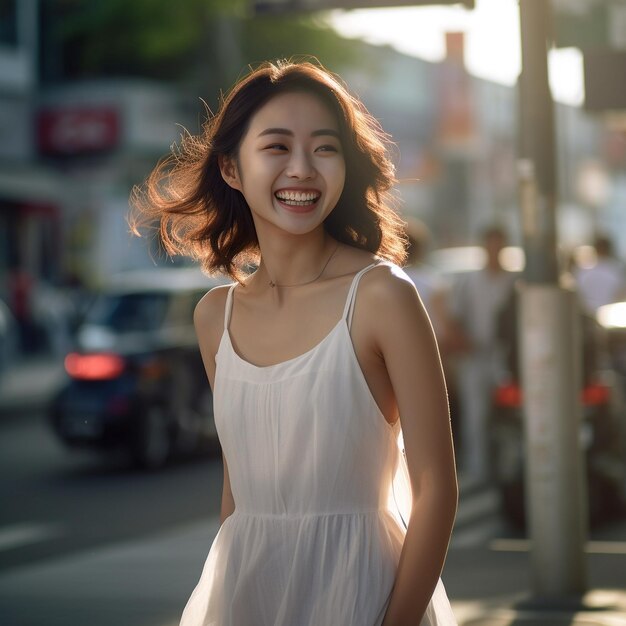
x: 314, y: 539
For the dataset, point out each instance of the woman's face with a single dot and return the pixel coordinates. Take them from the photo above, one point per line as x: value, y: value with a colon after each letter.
x: 290, y: 167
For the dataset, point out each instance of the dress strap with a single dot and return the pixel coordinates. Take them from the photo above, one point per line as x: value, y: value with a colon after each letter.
x: 348, y: 310
x: 229, y: 306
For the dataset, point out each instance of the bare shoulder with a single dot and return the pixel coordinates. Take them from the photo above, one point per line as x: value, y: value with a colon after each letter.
x: 208, y: 315
x: 388, y: 290
x: 212, y: 304
x: 389, y: 287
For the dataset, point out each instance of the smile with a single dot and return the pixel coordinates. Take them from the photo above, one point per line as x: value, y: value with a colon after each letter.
x: 298, y: 198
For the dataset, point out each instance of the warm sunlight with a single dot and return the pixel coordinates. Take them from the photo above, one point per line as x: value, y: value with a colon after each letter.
x: 492, y: 40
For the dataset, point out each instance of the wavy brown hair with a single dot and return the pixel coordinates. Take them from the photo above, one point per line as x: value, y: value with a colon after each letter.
x: 200, y: 216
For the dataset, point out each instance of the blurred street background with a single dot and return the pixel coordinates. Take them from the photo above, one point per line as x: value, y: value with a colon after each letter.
x: 110, y: 473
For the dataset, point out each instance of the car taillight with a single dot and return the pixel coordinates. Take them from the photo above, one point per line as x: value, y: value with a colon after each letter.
x: 509, y: 395
x: 596, y: 394
x: 103, y: 366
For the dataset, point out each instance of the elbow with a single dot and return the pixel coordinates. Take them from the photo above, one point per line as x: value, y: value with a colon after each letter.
x: 451, y: 497
x: 441, y: 496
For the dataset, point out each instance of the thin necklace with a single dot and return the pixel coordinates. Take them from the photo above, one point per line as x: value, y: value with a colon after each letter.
x: 308, y: 282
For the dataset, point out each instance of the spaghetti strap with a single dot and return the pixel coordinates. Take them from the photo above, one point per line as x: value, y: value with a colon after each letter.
x: 229, y: 306
x: 348, y: 311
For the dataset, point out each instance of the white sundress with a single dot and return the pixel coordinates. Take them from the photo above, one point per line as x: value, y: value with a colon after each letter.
x: 314, y: 539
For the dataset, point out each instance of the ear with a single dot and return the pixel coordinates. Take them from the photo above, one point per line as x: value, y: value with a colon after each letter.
x: 229, y: 171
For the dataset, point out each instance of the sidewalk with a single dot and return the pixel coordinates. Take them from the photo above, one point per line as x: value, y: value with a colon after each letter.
x: 489, y: 581
x: 29, y: 384
x: 490, y: 586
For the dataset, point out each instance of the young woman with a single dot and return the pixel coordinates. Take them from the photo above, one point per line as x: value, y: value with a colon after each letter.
x: 319, y: 361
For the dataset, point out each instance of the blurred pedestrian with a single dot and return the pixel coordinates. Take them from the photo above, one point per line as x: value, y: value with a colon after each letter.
x: 430, y: 284
x: 53, y: 311
x: 293, y: 172
x: 605, y: 281
x: 476, y: 301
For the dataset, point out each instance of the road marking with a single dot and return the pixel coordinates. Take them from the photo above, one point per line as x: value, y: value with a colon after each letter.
x: 592, y: 547
x: 19, y: 535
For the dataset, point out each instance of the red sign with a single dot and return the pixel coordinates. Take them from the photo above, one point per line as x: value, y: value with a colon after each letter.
x: 68, y: 131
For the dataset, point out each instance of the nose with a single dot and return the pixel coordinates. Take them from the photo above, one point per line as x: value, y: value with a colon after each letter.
x: 300, y: 166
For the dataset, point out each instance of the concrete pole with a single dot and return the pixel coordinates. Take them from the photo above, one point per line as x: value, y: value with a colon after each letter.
x: 549, y: 340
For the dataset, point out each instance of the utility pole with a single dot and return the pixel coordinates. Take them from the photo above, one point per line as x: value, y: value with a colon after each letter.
x: 549, y: 340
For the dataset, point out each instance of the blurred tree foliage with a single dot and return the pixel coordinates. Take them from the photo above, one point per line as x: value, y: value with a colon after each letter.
x: 203, y: 44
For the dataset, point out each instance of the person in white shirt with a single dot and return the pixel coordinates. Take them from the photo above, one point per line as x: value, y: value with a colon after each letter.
x: 477, y: 299
x: 604, y: 282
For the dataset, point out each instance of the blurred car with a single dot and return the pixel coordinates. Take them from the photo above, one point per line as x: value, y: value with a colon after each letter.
x: 135, y: 381
x: 601, y: 429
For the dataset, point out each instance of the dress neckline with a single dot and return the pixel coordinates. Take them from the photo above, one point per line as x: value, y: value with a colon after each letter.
x: 342, y: 324
x: 345, y: 320
x: 290, y: 361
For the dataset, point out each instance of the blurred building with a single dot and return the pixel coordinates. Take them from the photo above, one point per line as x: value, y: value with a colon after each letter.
x: 30, y: 194
x: 69, y: 155
x: 104, y: 136
x: 71, y: 152
x: 456, y: 138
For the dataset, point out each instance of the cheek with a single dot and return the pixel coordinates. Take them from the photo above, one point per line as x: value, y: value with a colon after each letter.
x: 257, y: 170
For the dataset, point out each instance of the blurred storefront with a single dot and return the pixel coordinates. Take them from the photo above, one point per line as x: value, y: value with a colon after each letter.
x: 103, y: 137
x: 31, y: 198
x: 65, y: 177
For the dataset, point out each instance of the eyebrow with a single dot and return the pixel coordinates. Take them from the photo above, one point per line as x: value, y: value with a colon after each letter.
x: 286, y: 131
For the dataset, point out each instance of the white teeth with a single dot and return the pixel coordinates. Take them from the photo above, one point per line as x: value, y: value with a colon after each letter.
x: 297, y: 196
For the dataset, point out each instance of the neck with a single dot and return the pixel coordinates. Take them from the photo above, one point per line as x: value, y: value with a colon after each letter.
x: 294, y: 260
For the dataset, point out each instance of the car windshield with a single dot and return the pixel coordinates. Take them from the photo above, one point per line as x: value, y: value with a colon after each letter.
x: 129, y: 312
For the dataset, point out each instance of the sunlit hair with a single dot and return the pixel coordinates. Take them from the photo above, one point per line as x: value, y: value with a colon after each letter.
x: 201, y: 216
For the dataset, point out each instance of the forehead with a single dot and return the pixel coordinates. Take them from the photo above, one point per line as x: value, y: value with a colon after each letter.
x: 294, y: 110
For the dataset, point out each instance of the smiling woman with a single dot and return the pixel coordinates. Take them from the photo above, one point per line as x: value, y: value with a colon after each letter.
x: 321, y: 362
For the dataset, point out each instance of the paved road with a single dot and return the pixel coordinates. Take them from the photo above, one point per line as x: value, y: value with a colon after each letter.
x: 56, y: 503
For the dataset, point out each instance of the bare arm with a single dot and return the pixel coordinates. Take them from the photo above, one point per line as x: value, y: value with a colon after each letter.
x: 209, y: 323
x: 404, y: 338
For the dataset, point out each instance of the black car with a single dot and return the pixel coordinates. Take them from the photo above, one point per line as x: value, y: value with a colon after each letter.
x: 135, y: 381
